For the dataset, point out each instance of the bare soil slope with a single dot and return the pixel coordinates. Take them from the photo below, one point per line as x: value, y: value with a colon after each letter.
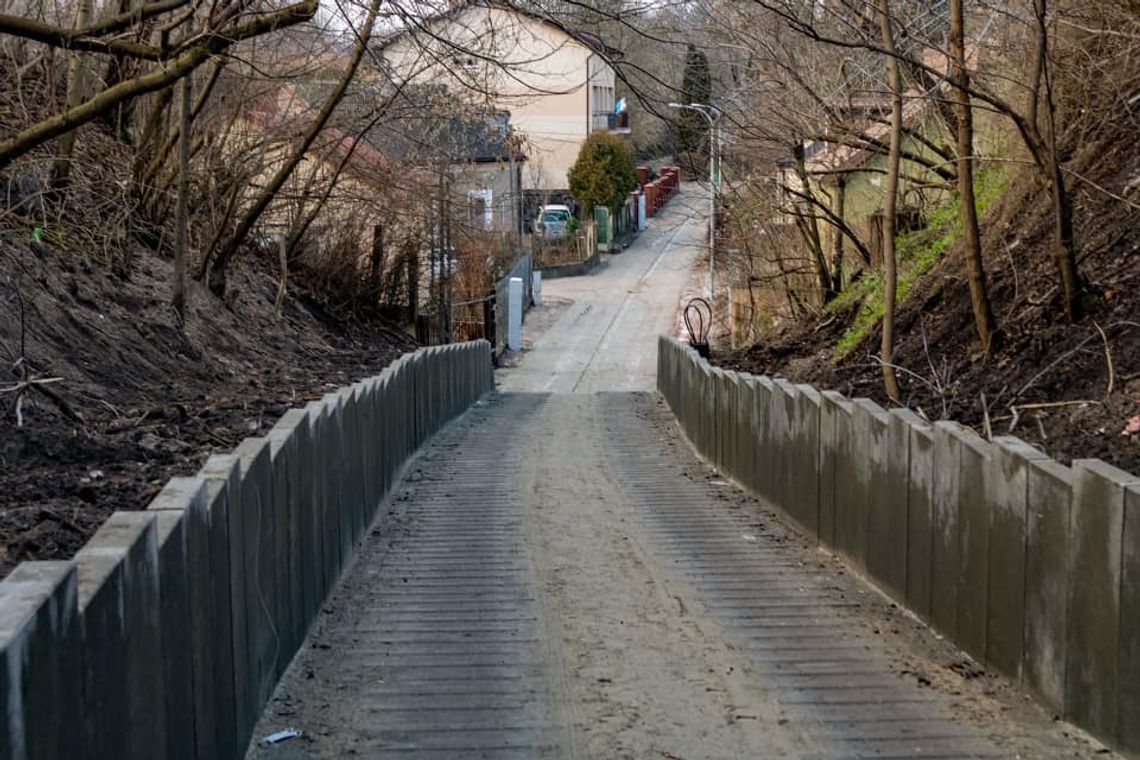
x: 138, y: 400
x: 1033, y: 383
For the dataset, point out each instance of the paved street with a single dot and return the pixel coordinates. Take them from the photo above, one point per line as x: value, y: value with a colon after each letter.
x: 558, y: 575
x: 607, y: 338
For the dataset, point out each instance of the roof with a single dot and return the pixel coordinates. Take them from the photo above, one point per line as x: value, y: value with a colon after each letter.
x: 825, y: 158
x: 592, y: 41
x: 482, y: 141
x: 282, y: 110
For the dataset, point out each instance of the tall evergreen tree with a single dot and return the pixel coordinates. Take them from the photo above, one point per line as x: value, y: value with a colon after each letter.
x: 691, y: 128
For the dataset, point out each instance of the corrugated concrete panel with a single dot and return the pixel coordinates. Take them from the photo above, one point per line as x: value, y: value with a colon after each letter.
x: 850, y: 504
x: 351, y: 462
x: 1048, y: 562
x: 180, y: 520
x: 718, y: 417
x: 42, y: 672
x: 944, y: 530
x: 889, y: 540
x: 746, y: 437
x: 222, y: 473
x: 787, y: 477
x: 1093, y: 670
x: 1007, y: 496
x: 120, y: 613
x: 733, y: 424
x: 765, y: 450
x: 257, y: 504
x: 326, y: 528
x: 877, y: 494
x: 920, y: 498
x: 289, y: 578
x: 706, y: 427
x: 831, y: 407
x: 338, y: 513
x: 212, y: 689
x: 1128, y: 718
x: 806, y: 426
x: 974, y: 532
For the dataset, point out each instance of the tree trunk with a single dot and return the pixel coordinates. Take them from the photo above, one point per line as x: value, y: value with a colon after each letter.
x: 412, y: 273
x: 810, y: 229
x: 119, y: 69
x: 182, y: 213
x: 283, y: 283
x: 890, y: 203
x: 376, y: 263
x: 153, y: 158
x: 964, y: 117
x: 153, y: 133
x: 1064, y: 245
x: 216, y: 270
x: 837, y: 249
x: 76, y: 84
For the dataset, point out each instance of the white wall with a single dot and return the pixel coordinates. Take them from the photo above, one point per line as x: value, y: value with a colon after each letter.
x: 532, y: 69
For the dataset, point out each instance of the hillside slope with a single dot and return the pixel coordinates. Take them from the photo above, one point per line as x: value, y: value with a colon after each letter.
x: 137, y: 399
x: 1070, y: 389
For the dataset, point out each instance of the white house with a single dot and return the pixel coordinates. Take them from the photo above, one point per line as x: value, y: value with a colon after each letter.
x: 556, y: 84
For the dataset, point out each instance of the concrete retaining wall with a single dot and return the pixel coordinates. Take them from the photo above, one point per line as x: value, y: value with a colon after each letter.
x: 1030, y: 566
x: 166, y: 634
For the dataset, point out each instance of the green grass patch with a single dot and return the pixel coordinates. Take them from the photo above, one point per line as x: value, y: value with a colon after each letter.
x: 917, y: 253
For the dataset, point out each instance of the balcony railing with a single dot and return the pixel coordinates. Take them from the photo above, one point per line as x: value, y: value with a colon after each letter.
x: 614, y: 122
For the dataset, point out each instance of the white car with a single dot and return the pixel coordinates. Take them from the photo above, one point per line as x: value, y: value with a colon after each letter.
x: 553, y: 221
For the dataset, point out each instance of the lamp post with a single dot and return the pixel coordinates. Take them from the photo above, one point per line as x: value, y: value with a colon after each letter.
x: 712, y: 113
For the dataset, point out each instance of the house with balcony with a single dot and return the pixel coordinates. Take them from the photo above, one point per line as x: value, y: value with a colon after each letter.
x: 556, y: 84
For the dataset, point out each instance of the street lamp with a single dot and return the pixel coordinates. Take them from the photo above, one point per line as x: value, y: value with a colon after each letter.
x: 708, y: 112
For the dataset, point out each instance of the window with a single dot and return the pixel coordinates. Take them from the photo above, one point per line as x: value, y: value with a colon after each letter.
x: 480, y: 212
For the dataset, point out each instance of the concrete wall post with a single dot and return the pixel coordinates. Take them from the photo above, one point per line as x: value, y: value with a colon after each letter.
x: 183, y: 567
x: 120, y: 612
x: 1128, y: 695
x: 1007, y: 505
x: 920, y: 498
x: 41, y: 699
x: 1093, y: 662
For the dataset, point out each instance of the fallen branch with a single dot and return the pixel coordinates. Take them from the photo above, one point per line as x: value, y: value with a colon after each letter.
x: 1108, y: 361
x: 1054, y: 404
x: 29, y: 384
x: 825, y: 324
x: 1017, y: 410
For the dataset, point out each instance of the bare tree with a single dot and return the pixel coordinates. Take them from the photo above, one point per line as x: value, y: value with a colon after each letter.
x: 216, y: 266
x: 182, y: 213
x: 890, y: 202
x: 175, y: 63
x: 968, y: 205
